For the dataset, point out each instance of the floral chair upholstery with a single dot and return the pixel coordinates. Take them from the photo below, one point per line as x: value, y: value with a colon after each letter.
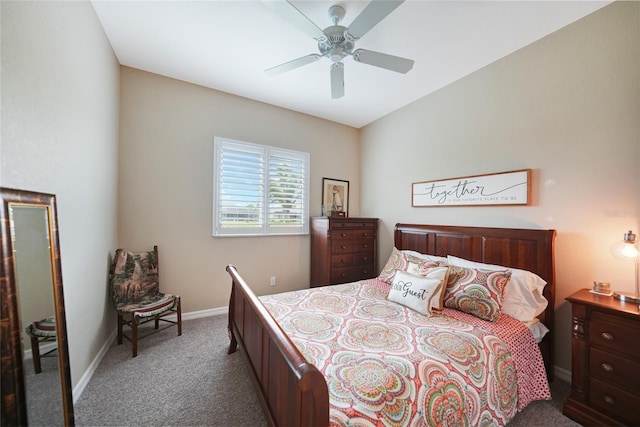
x: 135, y: 290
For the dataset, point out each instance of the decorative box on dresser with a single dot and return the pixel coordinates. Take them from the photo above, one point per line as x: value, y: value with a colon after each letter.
x: 343, y: 249
x: 605, y: 361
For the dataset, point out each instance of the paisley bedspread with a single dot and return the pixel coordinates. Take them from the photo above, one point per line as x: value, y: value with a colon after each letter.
x: 387, y: 365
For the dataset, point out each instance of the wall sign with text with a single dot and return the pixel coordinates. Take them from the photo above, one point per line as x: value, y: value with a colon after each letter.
x: 503, y: 188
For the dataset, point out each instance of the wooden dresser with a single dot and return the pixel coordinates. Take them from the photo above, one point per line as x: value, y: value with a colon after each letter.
x: 605, y: 361
x: 343, y: 249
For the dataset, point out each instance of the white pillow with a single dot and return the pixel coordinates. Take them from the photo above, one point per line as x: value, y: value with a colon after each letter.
x: 425, y: 256
x: 414, y: 291
x: 523, y: 297
x: 537, y: 329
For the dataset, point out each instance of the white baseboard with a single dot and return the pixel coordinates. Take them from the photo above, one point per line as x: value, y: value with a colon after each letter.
x: 80, y: 386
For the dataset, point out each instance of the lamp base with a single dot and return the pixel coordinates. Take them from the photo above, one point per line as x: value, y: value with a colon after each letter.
x: 626, y: 297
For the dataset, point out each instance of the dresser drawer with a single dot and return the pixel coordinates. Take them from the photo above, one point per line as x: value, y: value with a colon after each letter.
x: 367, y: 233
x: 363, y: 272
x: 363, y: 245
x: 617, y: 402
x: 615, y: 369
x: 342, y: 247
x: 337, y: 224
x: 614, y: 333
x: 342, y: 260
x: 363, y: 258
x: 342, y: 275
x: 342, y: 235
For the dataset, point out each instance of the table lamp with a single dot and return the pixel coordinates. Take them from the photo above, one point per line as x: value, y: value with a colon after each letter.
x: 627, y: 249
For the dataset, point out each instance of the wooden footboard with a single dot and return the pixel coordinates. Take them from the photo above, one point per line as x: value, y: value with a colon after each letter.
x: 292, y: 391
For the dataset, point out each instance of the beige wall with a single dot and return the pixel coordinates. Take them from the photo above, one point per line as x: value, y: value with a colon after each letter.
x: 567, y: 107
x: 166, y: 174
x: 59, y: 135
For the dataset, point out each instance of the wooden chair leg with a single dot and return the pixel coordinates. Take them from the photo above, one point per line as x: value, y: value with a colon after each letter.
x: 35, y: 352
x: 120, y: 322
x: 134, y: 335
x: 179, y: 317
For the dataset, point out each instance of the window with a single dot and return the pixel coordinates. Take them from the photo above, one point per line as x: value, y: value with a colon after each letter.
x: 259, y: 190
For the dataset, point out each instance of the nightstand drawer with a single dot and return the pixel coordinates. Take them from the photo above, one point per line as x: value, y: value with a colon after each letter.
x: 614, y: 333
x: 616, y: 369
x: 617, y: 402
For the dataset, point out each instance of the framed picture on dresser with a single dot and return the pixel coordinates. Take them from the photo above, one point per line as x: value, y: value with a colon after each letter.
x: 335, y: 197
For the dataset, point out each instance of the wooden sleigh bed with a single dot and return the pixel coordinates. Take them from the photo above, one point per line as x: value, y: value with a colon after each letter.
x: 293, y: 392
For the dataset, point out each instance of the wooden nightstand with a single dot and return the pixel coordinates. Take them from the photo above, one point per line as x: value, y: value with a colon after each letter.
x: 605, y: 361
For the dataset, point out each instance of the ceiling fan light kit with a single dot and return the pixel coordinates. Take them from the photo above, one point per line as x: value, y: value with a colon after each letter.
x: 337, y: 42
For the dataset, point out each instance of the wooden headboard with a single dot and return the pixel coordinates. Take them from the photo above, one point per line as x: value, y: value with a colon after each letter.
x: 524, y: 249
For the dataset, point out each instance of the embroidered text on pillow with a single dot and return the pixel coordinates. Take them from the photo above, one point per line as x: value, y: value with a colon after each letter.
x: 405, y: 288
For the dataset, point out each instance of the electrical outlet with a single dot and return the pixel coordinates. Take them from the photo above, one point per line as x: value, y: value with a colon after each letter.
x: 272, y: 281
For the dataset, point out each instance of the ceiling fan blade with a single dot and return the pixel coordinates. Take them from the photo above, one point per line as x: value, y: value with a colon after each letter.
x: 288, y: 66
x: 291, y: 14
x: 337, y: 80
x: 375, y: 12
x: 382, y: 60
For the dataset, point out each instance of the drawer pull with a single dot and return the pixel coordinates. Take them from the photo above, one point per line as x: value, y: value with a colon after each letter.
x: 607, y: 367
x: 343, y: 261
x: 365, y: 246
x: 607, y: 336
x: 366, y: 258
x: 608, y: 399
x: 343, y: 247
x: 343, y: 235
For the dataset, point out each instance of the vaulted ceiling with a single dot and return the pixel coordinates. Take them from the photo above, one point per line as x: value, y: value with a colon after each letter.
x: 227, y: 46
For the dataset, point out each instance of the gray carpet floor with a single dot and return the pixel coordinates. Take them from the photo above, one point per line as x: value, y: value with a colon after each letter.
x: 192, y: 381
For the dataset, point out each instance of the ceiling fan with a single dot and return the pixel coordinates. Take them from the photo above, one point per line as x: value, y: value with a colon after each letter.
x: 337, y: 42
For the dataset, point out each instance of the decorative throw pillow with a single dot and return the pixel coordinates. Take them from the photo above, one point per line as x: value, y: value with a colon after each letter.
x: 413, y: 291
x: 432, y: 271
x: 401, y: 261
x: 395, y: 262
x: 476, y: 292
x: 523, y: 298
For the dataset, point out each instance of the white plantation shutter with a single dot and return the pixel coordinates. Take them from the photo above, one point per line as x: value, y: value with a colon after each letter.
x: 259, y: 189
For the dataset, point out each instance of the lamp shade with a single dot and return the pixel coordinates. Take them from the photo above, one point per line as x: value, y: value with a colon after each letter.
x: 627, y: 249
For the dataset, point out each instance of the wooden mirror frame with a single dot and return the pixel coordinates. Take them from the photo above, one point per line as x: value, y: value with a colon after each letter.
x: 12, y: 380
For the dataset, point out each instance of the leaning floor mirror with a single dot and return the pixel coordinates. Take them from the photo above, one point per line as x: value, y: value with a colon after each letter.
x: 36, y: 377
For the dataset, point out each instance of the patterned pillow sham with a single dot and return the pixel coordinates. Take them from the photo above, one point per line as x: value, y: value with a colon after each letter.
x: 414, y: 292
x: 476, y: 292
x: 400, y: 261
x: 523, y: 298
